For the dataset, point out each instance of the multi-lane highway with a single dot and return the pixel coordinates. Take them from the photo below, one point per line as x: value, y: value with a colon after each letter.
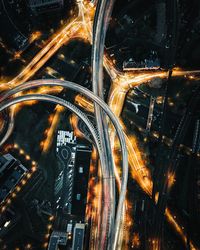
x: 101, y: 20
x: 119, y: 131
x: 121, y: 83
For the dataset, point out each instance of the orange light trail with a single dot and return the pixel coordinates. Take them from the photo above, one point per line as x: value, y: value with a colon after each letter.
x: 140, y: 172
x: 180, y: 230
x: 122, y: 82
x: 76, y: 27
x: 135, y: 241
x: 94, y: 195
x: 154, y: 244
x: 128, y: 225
x: 34, y: 36
x: 170, y: 180
x: 40, y: 90
x: 92, y: 186
x: 74, y: 122
x: 84, y: 103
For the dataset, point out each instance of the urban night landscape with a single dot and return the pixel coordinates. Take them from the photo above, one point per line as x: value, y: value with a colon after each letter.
x: 99, y: 124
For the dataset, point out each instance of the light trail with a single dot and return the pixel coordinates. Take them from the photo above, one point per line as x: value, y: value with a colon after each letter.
x: 110, y: 67
x: 42, y: 57
x: 127, y: 220
x: 84, y: 103
x: 94, y: 196
x: 17, y: 108
x: 129, y: 80
x: 97, y: 198
x: 2, y: 122
x: 116, y: 98
x: 127, y: 225
x: 140, y: 173
x: 93, y: 192
x: 75, y: 28
x: 96, y: 207
x: 155, y: 244
x: 74, y: 123
x: 112, y: 224
x: 135, y: 241
x: 179, y: 230
x: 125, y: 81
x: 40, y: 90
x: 34, y: 36
x: 89, y: 94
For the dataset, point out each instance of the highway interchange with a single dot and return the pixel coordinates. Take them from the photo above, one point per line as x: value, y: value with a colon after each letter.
x: 91, y: 25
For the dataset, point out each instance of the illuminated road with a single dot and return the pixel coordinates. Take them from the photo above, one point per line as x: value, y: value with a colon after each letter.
x: 141, y: 174
x: 75, y: 28
x: 120, y: 209
x: 110, y: 230
x: 122, y: 82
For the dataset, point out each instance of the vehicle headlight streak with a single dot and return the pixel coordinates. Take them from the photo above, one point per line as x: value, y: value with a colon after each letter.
x: 101, y: 21
x: 122, y: 82
x: 120, y: 208
x: 141, y: 174
x: 14, y: 109
x: 93, y: 208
